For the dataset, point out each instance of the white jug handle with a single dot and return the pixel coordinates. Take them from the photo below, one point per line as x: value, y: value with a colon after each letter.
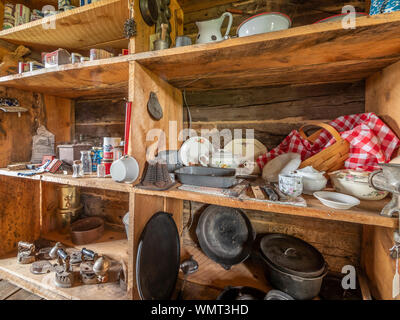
x: 228, y: 14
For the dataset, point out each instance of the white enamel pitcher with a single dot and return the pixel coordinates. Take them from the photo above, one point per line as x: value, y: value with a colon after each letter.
x: 210, y: 30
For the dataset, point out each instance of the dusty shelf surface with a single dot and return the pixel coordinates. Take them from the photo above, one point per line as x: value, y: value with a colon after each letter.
x: 317, y: 53
x: 99, y: 24
x: 98, y: 78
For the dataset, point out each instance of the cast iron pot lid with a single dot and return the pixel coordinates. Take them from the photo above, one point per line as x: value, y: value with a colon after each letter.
x: 292, y: 255
x: 225, y: 235
x: 158, y: 258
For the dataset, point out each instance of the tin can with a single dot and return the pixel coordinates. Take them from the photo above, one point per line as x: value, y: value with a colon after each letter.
x: 108, y: 147
x: 23, y: 67
x: 9, y: 10
x: 63, y: 3
x: 97, y: 157
x: 8, y: 23
x: 22, y: 14
x: 107, y: 165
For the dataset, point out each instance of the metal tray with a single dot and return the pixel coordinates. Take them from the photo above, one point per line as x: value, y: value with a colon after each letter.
x: 207, y: 177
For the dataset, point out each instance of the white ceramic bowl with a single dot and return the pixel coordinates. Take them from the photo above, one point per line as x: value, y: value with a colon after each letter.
x: 336, y: 200
x: 264, y: 22
x: 355, y: 183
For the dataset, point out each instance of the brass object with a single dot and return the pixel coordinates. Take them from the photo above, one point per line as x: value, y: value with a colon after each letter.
x: 64, y: 222
x: 101, y: 268
x: 69, y: 197
x: 26, y: 252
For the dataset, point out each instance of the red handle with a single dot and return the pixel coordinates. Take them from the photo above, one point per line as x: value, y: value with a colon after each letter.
x: 127, y: 125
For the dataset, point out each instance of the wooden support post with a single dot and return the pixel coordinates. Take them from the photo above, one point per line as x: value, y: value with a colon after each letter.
x: 382, y: 96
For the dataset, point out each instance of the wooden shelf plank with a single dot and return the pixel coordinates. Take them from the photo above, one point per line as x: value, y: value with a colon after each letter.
x: 80, y: 28
x: 99, y: 78
x: 90, y: 181
x: 366, y: 213
x: 315, y: 53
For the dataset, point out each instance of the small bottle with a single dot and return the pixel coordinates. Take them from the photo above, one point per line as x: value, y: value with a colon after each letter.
x: 86, y: 160
x: 77, y: 169
x: 101, y: 170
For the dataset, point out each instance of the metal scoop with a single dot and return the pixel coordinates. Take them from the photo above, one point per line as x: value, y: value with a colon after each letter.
x: 188, y: 267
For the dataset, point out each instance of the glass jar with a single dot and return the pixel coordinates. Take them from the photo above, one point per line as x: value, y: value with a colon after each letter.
x: 77, y: 169
x: 101, y: 170
x: 86, y: 160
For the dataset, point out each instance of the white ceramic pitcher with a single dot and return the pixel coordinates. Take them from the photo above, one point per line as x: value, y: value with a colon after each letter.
x: 210, y: 30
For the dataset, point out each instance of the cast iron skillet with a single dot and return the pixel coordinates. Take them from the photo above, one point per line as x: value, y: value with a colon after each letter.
x: 158, y: 258
x: 225, y: 235
x: 149, y: 10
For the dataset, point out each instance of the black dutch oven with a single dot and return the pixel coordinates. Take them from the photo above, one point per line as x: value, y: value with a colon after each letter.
x: 292, y: 265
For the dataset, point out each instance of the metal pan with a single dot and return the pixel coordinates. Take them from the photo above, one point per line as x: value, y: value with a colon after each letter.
x: 225, y: 235
x: 149, y: 10
x: 158, y: 258
x: 207, y: 177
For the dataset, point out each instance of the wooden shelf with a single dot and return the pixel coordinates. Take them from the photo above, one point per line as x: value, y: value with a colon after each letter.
x: 99, y: 78
x: 366, y: 213
x: 112, y: 243
x: 90, y: 181
x: 99, y: 24
x: 318, y: 53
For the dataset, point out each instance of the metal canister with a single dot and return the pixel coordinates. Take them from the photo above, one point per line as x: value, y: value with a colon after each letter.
x: 97, y: 157
x: 69, y: 197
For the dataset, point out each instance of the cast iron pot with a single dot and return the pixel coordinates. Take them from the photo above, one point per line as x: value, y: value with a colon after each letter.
x: 298, y: 287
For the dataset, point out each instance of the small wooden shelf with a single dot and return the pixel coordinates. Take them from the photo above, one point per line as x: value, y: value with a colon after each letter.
x: 90, y: 181
x: 366, y: 213
x: 99, y: 78
x: 99, y: 24
x: 112, y: 244
x: 317, y: 53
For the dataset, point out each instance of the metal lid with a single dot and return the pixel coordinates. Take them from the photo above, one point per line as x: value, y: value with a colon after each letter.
x: 158, y: 258
x: 225, y: 235
x: 292, y: 255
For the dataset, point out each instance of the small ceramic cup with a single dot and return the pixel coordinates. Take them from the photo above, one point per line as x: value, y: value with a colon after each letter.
x: 291, y: 185
x: 182, y: 41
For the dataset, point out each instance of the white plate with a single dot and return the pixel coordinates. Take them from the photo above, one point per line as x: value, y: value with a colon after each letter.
x: 282, y: 164
x: 336, y: 200
x: 193, y: 148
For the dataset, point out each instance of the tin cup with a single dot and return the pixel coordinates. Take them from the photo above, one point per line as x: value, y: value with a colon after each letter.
x: 291, y: 185
x: 160, y: 44
x: 182, y: 41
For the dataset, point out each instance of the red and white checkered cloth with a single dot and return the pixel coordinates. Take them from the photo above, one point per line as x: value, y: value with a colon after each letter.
x: 371, y: 142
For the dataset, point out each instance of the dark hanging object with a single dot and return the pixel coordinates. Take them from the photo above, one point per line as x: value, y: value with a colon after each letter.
x: 156, y: 176
x: 241, y: 293
x: 154, y: 107
x: 130, y: 28
x: 225, y: 235
x: 158, y: 258
x: 149, y: 10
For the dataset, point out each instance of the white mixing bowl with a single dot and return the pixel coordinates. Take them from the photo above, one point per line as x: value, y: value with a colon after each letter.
x: 264, y: 22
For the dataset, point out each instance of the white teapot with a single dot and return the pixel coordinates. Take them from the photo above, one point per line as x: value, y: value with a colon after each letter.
x: 210, y: 30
